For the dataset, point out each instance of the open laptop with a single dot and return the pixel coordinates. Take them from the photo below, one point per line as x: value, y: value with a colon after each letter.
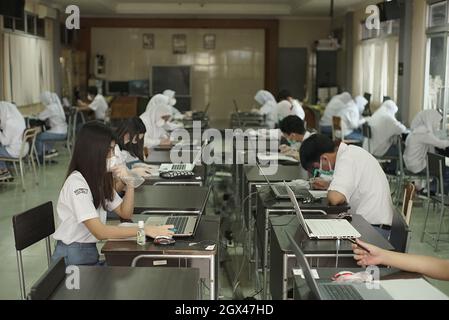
x: 182, y: 166
x: 185, y: 225
x: 280, y: 191
x: 334, y: 290
x: 323, y: 229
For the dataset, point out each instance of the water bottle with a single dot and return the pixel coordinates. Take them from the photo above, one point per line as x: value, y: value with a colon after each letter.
x: 141, y: 237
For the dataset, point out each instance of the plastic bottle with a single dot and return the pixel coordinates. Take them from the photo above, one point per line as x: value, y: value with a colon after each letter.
x: 141, y: 237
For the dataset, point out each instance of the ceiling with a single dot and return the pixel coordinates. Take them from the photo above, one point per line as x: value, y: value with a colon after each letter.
x: 203, y: 8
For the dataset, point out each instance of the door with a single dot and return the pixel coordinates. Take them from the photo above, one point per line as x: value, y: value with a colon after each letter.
x: 292, y: 71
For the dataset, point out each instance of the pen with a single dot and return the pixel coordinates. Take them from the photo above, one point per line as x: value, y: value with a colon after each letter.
x: 358, y: 245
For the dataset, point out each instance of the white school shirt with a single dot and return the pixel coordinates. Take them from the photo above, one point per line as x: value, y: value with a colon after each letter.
x: 12, y: 126
x: 360, y: 178
x: 99, y: 106
x: 76, y: 205
x: 56, y: 118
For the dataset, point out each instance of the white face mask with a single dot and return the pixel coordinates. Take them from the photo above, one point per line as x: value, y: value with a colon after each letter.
x: 111, y: 163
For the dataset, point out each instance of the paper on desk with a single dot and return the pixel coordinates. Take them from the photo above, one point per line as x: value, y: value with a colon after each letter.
x: 318, y: 193
x: 298, y: 272
x: 412, y: 289
x: 275, y: 157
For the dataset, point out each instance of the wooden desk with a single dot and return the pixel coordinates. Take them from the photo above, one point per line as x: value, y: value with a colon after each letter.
x: 171, y: 199
x: 122, y: 253
x: 282, y: 258
x: 126, y: 283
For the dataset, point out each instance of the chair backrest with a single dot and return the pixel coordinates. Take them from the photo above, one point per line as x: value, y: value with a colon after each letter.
x: 28, y: 139
x: 337, y: 133
x: 400, y: 232
x: 407, y: 204
x: 33, y: 225
x: 49, y: 281
x: 435, y: 165
x: 310, y: 118
x: 386, y: 98
x: 367, y: 111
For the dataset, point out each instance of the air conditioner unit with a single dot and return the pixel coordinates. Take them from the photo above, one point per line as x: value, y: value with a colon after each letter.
x: 330, y: 44
x: 46, y: 12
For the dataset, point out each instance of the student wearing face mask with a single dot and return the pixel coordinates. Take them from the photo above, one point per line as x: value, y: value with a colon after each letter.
x: 172, y: 102
x: 357, y: 179
x: 155, y: 117
x: 97, y: 103
x: 422, y: 140
x: 130, y: 139
x: 87, y: 193
x: 293, y: 130
x: 352, y: 118
x: 334, y: 108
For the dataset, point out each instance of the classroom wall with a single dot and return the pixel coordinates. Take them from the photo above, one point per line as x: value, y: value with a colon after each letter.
x: 234, y: 69
x: 302, y: 33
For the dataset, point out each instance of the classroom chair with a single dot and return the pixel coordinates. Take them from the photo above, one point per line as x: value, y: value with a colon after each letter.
x: 367, y: 112
x: 29, y: 138
x: 435, y: 165
x: 29, y: 228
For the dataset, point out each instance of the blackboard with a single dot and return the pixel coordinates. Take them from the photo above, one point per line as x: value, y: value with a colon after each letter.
x: 176, y: 78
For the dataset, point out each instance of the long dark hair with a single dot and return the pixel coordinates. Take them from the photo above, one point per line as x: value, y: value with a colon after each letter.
x: 89, y: 158
x: 133, y: 127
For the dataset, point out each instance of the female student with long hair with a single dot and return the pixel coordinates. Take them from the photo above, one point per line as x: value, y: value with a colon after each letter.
x: 130, y: 136
x: 88, y: 192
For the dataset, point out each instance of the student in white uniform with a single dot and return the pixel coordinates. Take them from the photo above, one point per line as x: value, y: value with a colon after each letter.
x: 384, y: 129
x: 12, y: 126
x: 356, y: 179
x: 155, y: 118
x: 352, y: 118
x: 87, y: 194
x: 55, y: 117
x: 268, y: 107
x: 171, y: 95
x: 333, y: 109
x: 130, y: 136
x: 293, y: 130
x: 294, y: 106
x: 422, y: 140
x: 98, y: 104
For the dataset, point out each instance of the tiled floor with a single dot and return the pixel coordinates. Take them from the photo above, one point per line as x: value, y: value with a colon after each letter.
x: 13, y: 201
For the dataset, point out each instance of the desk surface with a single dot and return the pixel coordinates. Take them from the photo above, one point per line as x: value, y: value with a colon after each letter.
x: 269, y: 201
x: 126, y: 283
x: 284, y: 173
x: 174, y: 197
x: 207, y: 234
x: 166, y: 156
x: 290, y: 224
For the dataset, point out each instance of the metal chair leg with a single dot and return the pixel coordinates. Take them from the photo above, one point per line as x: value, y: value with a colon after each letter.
x: 425, y: 221
x: 21, y: 175
x: 437, y: 239
x: 21, y: 275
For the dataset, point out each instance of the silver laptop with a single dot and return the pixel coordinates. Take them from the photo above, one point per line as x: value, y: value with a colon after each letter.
x: 323, y: 229
x: 164, y: 167
x: 333, y: 290
x: 302, y: 194
x: 185, y: 226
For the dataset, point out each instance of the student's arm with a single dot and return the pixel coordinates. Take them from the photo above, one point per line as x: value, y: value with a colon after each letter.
x: 434, y: 141
x: 104, y: 232
x: 428, y: 266
x: 336, y: 198
x: 126, y: 208
x: 44, y: 115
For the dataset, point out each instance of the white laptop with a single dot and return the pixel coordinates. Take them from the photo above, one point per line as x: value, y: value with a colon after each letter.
x: 323, y: 229
x: 181, y: 166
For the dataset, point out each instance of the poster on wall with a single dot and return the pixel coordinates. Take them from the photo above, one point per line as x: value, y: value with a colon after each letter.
x: 148, y: 41
x: 179, y: 44
x: 209, y: 41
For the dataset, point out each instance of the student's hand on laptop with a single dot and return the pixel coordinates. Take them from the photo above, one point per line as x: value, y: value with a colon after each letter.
x: 320, y: 184
x: 154, y: 231
x: 363, y: 258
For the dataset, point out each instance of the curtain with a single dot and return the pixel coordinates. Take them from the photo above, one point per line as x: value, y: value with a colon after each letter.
x: 376, y: 69
x: 28, y: 68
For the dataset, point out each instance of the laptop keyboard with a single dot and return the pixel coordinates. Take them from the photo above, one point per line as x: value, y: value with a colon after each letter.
x: 322, y: 228
x: 180, y: 223
x: 178, y: 167
x: 341, y: 292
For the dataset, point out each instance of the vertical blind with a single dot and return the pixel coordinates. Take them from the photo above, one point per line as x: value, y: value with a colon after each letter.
x: 376, y: 69
x: 28, y: 68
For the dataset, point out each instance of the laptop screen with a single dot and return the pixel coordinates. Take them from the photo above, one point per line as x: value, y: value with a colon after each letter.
x: 298, y: 212
x: 265, y: 177
x: 305, y: 267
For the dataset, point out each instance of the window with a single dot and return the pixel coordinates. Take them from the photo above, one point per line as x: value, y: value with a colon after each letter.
x: 40, y: 27
x: 31, y: 24
x: 19, y: 23
x: 8, y: 23
x: 438, y: 14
